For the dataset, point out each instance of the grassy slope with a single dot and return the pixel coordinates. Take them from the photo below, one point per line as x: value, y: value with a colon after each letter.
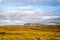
x: 30, y: 32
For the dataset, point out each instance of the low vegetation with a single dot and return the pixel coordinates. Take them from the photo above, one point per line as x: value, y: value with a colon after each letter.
x: 41, y: 32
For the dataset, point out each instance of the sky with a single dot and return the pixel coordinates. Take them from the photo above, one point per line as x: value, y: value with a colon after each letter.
x: 30, y: 11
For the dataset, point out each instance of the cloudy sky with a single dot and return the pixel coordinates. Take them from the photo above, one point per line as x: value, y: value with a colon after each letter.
x: 29, y: 11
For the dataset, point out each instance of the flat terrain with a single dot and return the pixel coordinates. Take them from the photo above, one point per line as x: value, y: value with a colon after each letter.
x: 30, y: 32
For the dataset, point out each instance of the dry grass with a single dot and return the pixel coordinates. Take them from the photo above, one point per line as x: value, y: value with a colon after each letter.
x: 30, y: 32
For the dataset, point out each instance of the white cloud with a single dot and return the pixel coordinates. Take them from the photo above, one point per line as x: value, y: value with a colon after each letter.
x: 32, y: 1
x: 22, y: 9
x: 11, y: 22
x: 32, y: 18
x: 29, y: 14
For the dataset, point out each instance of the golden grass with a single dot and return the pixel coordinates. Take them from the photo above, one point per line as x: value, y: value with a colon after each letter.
x: 29, y: 32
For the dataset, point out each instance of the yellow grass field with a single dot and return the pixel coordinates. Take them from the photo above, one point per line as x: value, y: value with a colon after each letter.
x: 30, y: 32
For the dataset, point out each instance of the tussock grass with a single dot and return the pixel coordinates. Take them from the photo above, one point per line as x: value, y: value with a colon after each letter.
x: 41, y: 32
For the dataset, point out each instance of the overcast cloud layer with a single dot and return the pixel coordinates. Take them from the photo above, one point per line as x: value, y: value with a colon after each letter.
x: 19, y: 12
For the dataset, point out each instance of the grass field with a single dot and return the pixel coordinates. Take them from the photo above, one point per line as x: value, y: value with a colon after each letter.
x: 30, y: 32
